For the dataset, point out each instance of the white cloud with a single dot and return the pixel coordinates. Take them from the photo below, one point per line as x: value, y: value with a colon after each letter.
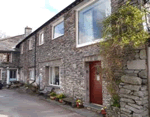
x: 60, y: 4
x: 15, y: 15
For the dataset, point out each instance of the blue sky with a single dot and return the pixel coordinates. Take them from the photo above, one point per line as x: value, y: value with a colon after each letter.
x: 17, y: 14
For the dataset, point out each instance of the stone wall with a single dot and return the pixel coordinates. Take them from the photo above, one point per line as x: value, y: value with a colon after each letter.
x: 133, y: 89
x: 74, y: 65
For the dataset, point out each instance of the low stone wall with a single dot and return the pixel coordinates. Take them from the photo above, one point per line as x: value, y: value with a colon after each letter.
x: 134, y: 97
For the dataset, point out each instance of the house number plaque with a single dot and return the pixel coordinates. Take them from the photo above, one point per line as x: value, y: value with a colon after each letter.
x: 98, y: 77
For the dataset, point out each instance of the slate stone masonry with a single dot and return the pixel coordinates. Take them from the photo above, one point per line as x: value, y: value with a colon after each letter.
x: 133, y: 89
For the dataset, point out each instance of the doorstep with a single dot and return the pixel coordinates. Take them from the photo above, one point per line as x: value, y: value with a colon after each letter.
x: 93, y: 107
x: 82, y: 111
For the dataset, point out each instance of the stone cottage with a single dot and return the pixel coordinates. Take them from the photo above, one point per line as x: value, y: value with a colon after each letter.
x: 63, y: 53
x: 9, y: 57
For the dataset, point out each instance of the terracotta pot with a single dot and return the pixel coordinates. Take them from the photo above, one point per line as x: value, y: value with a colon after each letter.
x: 103, y: 112
x: 61, y: 100
x: 79, y: 105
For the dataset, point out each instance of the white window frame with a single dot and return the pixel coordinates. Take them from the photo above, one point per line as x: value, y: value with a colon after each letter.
x: 55, y: 24
x: 1, y: 73
x: 40, y: 42
x: 52, y: 74
x: 77, y: 29
x: 22, y: 45
x: 21, y: 76
x: 30, y: 44
x: 31, y: 69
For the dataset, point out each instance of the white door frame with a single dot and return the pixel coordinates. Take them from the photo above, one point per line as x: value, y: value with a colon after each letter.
x: 1, y: 73
x: 8, y: 74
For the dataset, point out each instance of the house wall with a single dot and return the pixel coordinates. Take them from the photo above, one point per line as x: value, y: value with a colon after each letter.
x: 73, y: 61
x: 62, y: 52
x: 14, y: 59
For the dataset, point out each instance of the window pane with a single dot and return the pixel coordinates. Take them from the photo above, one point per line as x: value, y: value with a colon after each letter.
x: 31, y: 74
x: 50, y: 75
x: 90, y: 18
x: 41, y: 39
x: 59, y: 30
x: 56, y: 75
x: 12, y: 73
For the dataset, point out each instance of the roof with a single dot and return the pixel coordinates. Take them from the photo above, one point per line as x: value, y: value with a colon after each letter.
x: 8, y: 44
x: 75, y: 3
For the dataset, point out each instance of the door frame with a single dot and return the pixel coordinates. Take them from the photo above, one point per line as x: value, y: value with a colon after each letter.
x: 95, y: 62
x: 87, y: 81
x: 1, y: 74
x: 8, y: 74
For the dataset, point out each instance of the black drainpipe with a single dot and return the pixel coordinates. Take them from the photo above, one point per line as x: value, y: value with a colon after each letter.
x: 35, y: 60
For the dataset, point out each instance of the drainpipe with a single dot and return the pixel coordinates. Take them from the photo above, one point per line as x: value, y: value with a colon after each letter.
x: 35, y: 60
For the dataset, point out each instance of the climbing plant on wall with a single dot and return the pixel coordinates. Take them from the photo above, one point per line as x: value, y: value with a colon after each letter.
x: 123, y: 32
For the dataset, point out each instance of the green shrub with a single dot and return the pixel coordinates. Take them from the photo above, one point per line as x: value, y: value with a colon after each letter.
x: 52, y: 94
x: 61, y: 96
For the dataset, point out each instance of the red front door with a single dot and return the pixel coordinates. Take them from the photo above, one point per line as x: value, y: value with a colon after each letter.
x: 95, y: 83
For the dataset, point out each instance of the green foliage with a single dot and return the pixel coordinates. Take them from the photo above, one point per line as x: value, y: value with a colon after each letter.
x: 124, y: 27
x: 123, y: 33
x: 116, y: 99
x: 52, y: 94
x: 60, y: 96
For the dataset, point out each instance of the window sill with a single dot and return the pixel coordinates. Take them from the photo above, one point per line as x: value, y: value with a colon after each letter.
x: 90, y: 43
x: 55, y: 86
x: 31, y: 79
x: 41, y: 44
x: 58, y: 37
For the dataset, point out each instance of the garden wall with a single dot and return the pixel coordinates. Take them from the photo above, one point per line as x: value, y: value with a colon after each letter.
x: 133, y: 89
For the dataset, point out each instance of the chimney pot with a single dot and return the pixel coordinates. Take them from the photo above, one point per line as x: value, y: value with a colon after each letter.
x: 28, y: 31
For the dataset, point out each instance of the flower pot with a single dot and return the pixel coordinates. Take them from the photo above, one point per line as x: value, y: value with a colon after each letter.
x: 57, y: 99
x: 103, y: 112
x: 61, y: 100
x: 52, y: 97
x: 79, y: 105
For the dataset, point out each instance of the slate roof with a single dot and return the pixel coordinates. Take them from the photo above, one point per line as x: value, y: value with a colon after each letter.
x: 8, y: 44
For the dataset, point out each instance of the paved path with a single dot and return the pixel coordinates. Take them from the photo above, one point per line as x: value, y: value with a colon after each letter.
x: 13, y: 104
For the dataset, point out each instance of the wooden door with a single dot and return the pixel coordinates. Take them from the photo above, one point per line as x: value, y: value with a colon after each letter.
x: 95, y: 83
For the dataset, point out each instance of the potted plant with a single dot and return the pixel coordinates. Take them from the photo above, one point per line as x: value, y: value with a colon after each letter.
x: 57, y: 98
x: 79, y: 103
x: 61, y: 96
x: 52, y: 96
x: 103, y: 111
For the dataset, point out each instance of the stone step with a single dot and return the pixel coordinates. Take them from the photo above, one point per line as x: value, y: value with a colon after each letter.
x: 93, y: 107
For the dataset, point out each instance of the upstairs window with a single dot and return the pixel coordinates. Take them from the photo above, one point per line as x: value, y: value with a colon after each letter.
x: 6, y: 57
x: 58, y: 28
x: 30, y: 44
x: 90, y: 21
x: 41, y: 38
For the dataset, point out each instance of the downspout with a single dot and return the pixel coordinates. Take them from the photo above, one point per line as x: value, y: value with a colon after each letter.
x: 35, y: 60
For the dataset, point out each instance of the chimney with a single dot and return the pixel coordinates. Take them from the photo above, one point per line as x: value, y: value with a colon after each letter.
x: 28, y: 31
